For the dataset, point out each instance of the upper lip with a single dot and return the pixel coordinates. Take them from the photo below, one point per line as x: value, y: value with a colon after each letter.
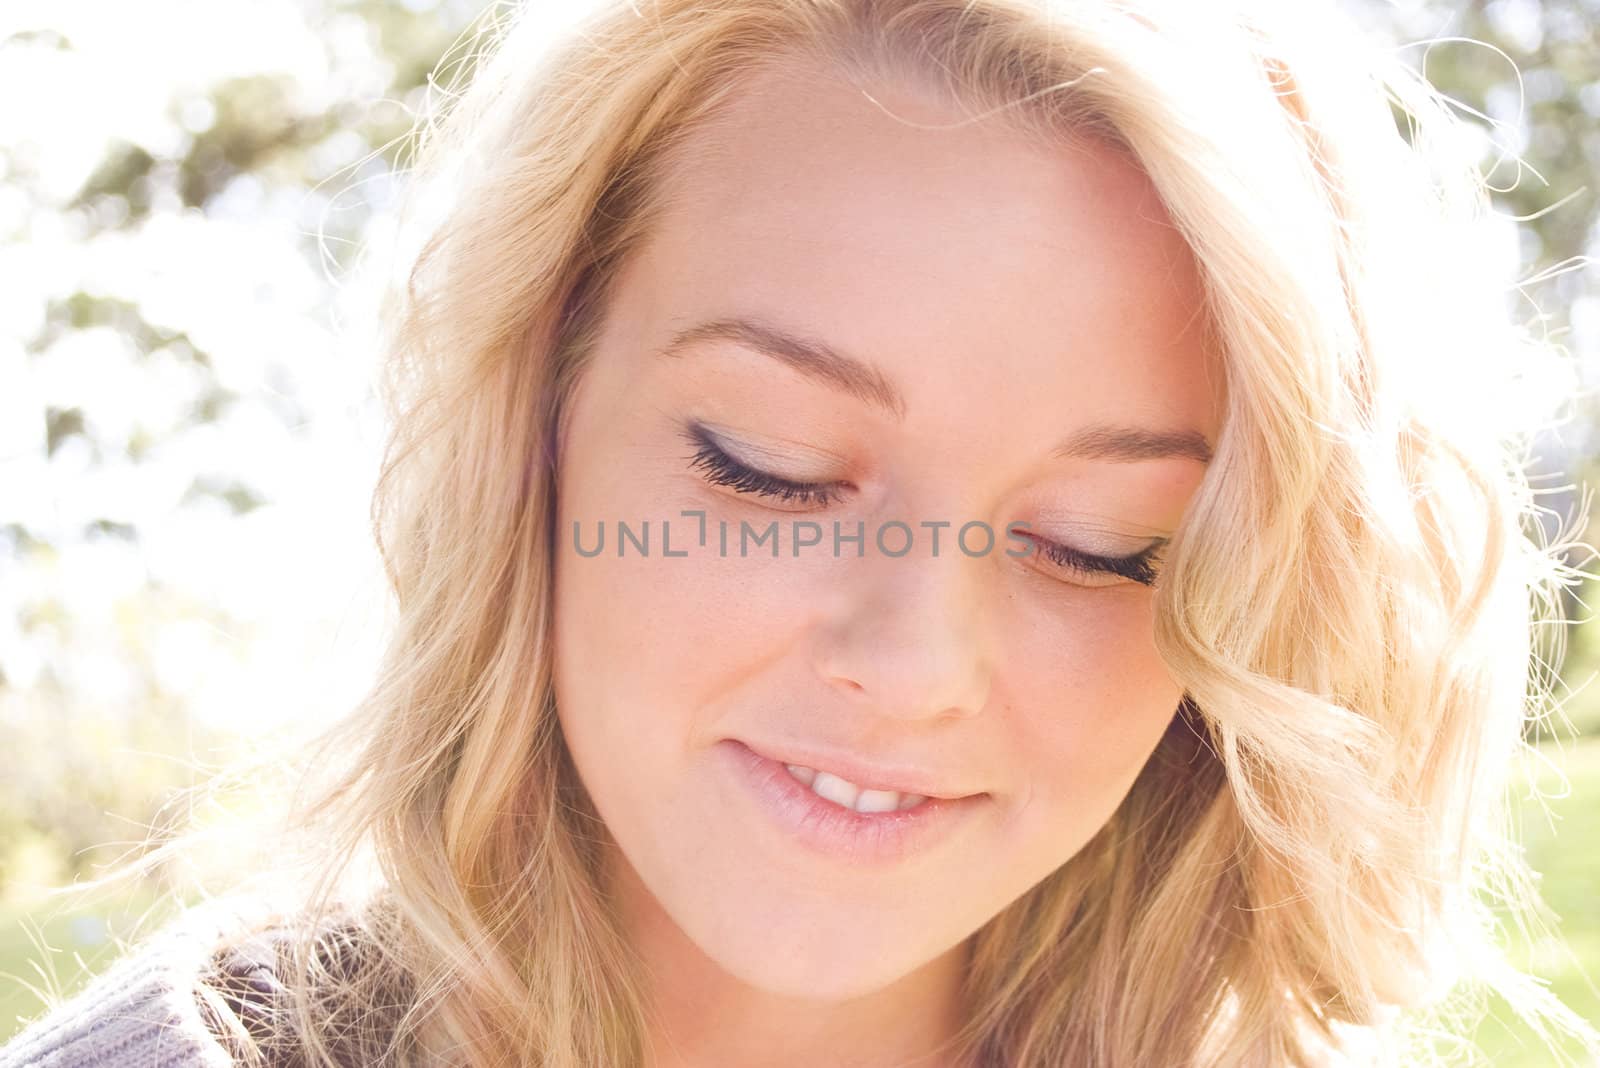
x: 899, y: 778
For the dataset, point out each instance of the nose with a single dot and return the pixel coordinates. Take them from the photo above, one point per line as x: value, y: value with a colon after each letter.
x: 907, y: 636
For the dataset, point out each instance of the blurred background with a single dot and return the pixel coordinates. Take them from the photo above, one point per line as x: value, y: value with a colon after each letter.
x: 188, y: 435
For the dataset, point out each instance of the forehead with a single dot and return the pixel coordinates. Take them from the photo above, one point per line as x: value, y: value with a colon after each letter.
x: 896, y: 226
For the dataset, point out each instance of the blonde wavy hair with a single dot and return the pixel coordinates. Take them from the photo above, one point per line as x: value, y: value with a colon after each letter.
x: 1357, y: 605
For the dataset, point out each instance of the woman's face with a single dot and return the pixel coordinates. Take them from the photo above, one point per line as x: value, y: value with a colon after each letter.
x: 981, y: 329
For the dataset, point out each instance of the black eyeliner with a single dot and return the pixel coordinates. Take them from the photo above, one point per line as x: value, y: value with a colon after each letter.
x: 721, y: 469
x: 1140, y: 567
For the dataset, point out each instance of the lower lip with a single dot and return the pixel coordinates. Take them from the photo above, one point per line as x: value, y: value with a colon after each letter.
x: 827, y: 828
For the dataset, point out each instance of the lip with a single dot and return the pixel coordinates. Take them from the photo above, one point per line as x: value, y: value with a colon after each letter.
x: 898, y: 780
x: 833, y: 830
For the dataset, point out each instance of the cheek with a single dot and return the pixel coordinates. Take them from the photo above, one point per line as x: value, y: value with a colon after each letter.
x: 1088, y: 700
x: 651, y: 642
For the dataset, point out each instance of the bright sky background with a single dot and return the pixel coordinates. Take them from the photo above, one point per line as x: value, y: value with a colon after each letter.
x: 298, y: 574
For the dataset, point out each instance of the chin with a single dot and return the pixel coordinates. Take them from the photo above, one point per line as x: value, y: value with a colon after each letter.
x: 819, y: 958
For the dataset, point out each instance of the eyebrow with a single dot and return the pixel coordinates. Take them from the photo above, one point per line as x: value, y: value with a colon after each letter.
x: 812, y: 358
x: 1128, y: 444
x: 859, y: 379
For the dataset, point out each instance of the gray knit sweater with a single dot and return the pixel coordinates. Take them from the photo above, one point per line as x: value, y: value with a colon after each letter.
x: 141, y: 1012
x: 176, y: 1000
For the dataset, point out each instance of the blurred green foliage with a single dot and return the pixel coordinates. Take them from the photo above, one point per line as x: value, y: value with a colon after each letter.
x: 96, y: 774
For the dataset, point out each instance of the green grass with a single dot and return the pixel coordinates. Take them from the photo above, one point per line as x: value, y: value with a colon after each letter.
x: 48, y: 949
x: 1564, y: 848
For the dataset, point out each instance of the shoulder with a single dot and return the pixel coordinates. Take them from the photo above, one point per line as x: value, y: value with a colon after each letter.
x: 247, y: 991
x: 205, y: 988
x: 139, y: 1011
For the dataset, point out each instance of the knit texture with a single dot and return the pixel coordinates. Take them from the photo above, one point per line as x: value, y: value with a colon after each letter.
x: 140, y: 1012
x: 178, y: 999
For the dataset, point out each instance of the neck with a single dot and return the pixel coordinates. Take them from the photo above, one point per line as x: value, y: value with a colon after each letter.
x: 699, y: 1016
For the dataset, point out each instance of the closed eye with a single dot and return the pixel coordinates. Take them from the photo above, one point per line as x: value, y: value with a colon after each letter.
x: 720, y: 469
x: 1140, y: 567
x: 723, y: 470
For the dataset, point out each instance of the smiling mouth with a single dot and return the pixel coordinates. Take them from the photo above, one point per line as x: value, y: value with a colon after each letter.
x: 843, y: 792
x: 857, y: 785
x: 861, y: 820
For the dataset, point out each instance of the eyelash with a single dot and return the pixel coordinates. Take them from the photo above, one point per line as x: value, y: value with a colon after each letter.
x: 1140, y: 567
x: 723, y: 470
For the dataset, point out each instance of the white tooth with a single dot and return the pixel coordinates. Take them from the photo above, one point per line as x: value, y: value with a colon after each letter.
x: 911, y: 800
x: 835, y: 789
x: 877, y: 801
x: 804, y: 774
